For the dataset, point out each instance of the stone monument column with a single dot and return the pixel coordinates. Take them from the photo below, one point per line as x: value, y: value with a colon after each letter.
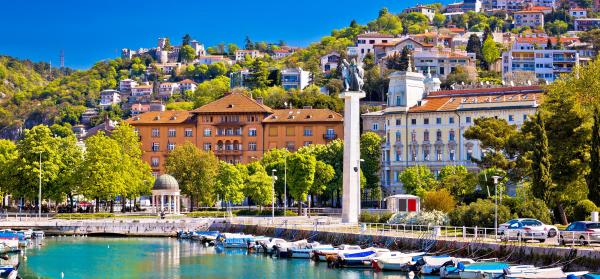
x: 351, y: 176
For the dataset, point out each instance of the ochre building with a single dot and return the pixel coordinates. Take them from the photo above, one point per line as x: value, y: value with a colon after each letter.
x: 236, y: 128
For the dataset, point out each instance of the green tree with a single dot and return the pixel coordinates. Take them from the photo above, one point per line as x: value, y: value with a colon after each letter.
x: 187, y: 54
x: 185, y: 41
x: 494, y: 135
x: 300, y: 176
x: 101, y: 174
x: 387, y: 23
x: 216, y: 70
x: 417, y: 180
x: 557, y: 27
x: 8, y: 158
x: 211, y: 90
x: 439, y: 20
x: 458, y: 76
x: 490, y: 51
x: 593, y: 178
x: 457, y: 179
x: 259, y: 77
x: 229, y: 184
x: 541, y: 183
x: 324, y: 173
x: 195, y: 170
x: 232, y: 48
x: 258, y: 184
x: 474, y: 46
x: 440, y: 200
x: 370, y: 151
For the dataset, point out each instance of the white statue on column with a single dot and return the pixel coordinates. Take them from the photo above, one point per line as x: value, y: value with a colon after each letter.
x: 353, y: 81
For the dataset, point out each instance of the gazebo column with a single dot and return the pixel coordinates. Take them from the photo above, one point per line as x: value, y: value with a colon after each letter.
x: 177, y: 204
x: 162, y: 205
x: 170, y: 202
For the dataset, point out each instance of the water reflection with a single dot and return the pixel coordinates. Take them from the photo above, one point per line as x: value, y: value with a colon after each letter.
x: 90, y: 257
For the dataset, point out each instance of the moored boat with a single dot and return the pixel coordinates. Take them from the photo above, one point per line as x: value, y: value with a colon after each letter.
x: 397, y: 262
x: 482, y: 270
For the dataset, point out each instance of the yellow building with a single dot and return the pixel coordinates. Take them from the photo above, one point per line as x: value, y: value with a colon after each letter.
x: 425, y: 126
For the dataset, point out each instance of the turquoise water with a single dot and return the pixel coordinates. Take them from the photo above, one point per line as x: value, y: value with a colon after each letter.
x: 78, y: 257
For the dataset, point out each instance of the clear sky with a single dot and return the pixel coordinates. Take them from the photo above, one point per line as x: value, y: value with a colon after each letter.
x: 89, y: 31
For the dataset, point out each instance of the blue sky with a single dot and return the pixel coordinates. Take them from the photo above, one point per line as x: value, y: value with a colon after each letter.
x: 89, y: 31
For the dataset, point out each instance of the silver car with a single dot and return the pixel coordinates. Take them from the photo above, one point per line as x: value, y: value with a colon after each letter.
x: 527, y: 229
x: 582, y: 232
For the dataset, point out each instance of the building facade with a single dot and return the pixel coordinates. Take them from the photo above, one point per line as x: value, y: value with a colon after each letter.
x: 294, y: 78
x: 236, y: 128
x: 533, y: 19
x: 425, y: 127
x: 365, y: 44
x: 586, y: 24
x: 109, y: 97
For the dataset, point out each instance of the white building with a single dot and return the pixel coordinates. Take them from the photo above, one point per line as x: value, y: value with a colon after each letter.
x: 187, y: 84
x: 167, y: 89
x: 530, y: 54
x: 212, y: 59
x: 578, y: 12
x: 141, y: 90
x: 282, y: 53
x: 531, y: 18
x: 240, y: 54
x: 294, y: 78
x: 585, y: 24
x: 365, y: 44
x: 126, y: 85
x: 425, y: 126
x: 330, y: 61
x: 441, y: 62
x: 426, y: 10
x: 109, y: 97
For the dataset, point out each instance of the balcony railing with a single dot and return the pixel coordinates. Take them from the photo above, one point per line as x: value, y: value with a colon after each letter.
x: 330, y: 136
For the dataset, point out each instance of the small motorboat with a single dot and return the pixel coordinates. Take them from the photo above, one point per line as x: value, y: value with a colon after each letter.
x: 307, y: 252
x: 267, y: 246
x: 361, y: 258
x: 450, y: 269
x: 516, y: 272
x: 482, y: 270
x: 284, y: 250
x: 322, y: 255
x: 8, y: 271
x: 38, y: 234
x: 400, y: 262
x: 234, y: 240
x: 433, y: 264
x: 205, y: 236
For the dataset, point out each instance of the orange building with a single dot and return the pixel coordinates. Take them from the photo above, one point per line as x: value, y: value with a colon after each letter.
x: 294, y: 128
x: 161, y: 131
x: 237, y: 128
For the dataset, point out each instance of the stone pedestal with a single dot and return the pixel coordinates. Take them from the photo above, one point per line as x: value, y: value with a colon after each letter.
x: 351, y: 193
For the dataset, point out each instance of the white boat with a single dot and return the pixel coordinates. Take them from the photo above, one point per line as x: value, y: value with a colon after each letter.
x: 482, y: 270
x: 234, y: 240
x: 433, y: 264
x: 452, y: 271
x: 322, y: 254
x: 533, y: 272
x: 283, y: 250
x: 361, y: 258
x: 267, y: 246
x: 307, y: 252
x: 38, y: 234
x: 400, y: 262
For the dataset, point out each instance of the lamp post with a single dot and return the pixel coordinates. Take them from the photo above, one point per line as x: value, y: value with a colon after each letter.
x: 285, y: 184
x: 496, y: 178
x: 40, y: 187
x: 359, y: 197
x: 274, y: 178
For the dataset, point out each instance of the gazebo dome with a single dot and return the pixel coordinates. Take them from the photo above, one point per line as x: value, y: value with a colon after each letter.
x: 166, y: 182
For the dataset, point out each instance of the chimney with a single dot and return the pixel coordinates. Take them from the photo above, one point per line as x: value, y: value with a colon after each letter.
x: 259, y: 100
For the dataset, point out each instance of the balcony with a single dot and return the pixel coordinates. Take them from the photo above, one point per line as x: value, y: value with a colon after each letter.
x: 228, y: 152
x: 330, y: 136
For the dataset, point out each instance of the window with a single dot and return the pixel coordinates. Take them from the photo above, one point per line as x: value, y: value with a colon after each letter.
x: 330, y: 131
x: 413, y: 121
x: 468, y: 119
x: 252, y: 146
x: 438, y: 120
x: 155, y: 132
x: 426, y: 135
x: 252, y: 132
x: 398, y: 101
x: 290, y: 145
x: 171, y: 133
x: 207, y: 132
x: 451, y: 155
x: 188, y: 133
x: 469, y: 153
x: 273, y: 131
x: 170, y: 146
x: 438, y: 135
x: 439, y: 154
x: 375, y: 126
x: 155, y: 146
x: 308, y: 131
x: 426, y: 153
x: 451, y: 136
x: 290, y: 131
x: 207, y: 146
x: 398, y: 136
x: 511, y: 118
x: 451, y: 120
x: 426, y: 121
x: 413, y: 136
x: 398, y: 122
x: 524, y: 117
x: 155, y: 162
x: 397, y: 152
x: 396, y: 177
x: 307, y: 143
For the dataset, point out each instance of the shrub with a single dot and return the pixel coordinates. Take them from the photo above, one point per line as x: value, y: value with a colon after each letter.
x: 377, y: 217
x: 266, y: 212
x: 84, y: 215
x: 424, y: 218
x: 583, y: 210
x: 440, y: 200
x: 479, y: 213
x: 213, y: 214
x: 534, y: 208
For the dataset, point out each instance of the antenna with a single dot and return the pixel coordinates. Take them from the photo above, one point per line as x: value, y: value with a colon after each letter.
x: 62, y: 58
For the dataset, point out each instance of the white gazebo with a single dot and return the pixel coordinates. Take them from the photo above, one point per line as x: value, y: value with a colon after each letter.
x: 166, y: 195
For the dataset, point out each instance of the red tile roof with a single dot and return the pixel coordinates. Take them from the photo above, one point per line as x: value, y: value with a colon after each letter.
x: 452, y: 103
x: 375, y: 35
x: 233, y: 103
x: 483, y: 91
x: 161, y: 117
x: 543, y: 40
x: 303, y: 115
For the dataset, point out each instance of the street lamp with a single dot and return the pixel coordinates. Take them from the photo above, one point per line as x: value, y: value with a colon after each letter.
x: 40, y: 187
x: 496, y: 178
x: 285, y: 184
x: 274, y: 178
x: 359, y: 197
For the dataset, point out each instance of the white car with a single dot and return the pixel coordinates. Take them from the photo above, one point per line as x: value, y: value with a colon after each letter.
x: 527, y: 229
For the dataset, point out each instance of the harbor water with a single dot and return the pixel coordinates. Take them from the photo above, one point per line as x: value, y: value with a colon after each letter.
x: 95, y: 257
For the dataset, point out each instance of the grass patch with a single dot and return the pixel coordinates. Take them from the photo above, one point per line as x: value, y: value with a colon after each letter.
x: 84, y: 215
x: 238, y: 212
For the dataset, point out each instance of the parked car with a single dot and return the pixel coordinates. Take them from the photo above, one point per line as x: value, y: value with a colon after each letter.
x: 582, y: 232
x: 527, y: 229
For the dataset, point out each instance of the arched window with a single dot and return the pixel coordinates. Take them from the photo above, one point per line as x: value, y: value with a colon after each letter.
x: 426, y: 135
x: 438, y: 135
x: 451, y: 135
